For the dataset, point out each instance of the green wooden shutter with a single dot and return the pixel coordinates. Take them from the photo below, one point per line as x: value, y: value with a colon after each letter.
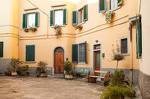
x: 139, y: 38
x: 85, y: 13
x: 85, y: 52
x: 65, y: 17
x: 24, y: 23
x: 119, y: 1
x: 52, y: 18
x: 75, y: 53
x: 37, y: 19
x: 101, y: 5
x: 74, y: 18
x: 30, y: 53
x: 1, y: 49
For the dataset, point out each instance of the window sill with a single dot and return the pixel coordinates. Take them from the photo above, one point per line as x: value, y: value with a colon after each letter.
x: 81, y: 63
x: 125, y: 54
x: 30, y: 62
x: 57, y: 25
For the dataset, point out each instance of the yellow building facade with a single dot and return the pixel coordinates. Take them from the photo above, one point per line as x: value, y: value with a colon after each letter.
x: 85, y: 26
x: 88, y: 33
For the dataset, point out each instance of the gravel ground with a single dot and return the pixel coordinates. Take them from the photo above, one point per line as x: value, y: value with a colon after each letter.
x: 47, y: 88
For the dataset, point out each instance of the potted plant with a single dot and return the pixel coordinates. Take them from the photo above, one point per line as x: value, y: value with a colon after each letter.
x: 33, y: 29
x: 58, y: 30
x: 26, y: 30
x: 68, y: 71
x: 109, y: 16
x: 41, y: 70
x: 118, y: 57
x: 14, y: 65
x: 79, y: 27
x: 119, y: 88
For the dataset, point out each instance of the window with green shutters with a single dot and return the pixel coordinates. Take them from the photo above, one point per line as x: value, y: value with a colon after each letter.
x: 75, y: 53
x: 139, y: 38
x: 124, y: 46
x: 30, y: 52
x: 1, y: 49
x: 58, y: 17
x: 79, y: 54
x: 86, y: 13
x: 30, y: 20
x: 74, y: 18
x: 102, y: 5
x: 80, y: 16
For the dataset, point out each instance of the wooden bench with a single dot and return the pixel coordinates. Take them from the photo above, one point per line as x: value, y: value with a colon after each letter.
x: 94, y: 78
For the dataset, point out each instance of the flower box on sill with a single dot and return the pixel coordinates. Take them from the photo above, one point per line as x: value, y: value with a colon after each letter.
x: 58, y: 30
x: 79, y: 27
x: 33, y: 29
x: 109, y: 15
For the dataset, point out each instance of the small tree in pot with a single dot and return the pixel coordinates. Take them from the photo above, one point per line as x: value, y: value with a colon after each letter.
x: 68, y: 69
x: 41, y: 69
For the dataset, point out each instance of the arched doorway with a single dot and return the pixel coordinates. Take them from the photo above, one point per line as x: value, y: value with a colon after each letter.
x: 59, y: 60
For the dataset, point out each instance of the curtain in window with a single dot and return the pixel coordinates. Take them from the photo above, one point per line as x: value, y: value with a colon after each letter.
x: 59, y: 17
x: 114, y: 4
x: 31, y: 20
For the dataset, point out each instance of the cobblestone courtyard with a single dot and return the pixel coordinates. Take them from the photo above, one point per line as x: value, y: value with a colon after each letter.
x: 47, y: 88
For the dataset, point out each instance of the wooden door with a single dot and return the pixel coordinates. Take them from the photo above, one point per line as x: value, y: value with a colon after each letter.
x: 59, y: 61
x: 97, y: 60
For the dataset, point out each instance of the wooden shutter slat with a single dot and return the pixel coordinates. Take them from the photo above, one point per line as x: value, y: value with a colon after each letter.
x: 75, y: 53
x: 51, y: 18
x: 24, y: 23
x: 74, y: 18
x: 86, y: 13
x: 1, y: 49
x: 101, y: 5
x: 37, y: 19
x: 30, y: 53
x: 139, y: 38
x: 65, y: 17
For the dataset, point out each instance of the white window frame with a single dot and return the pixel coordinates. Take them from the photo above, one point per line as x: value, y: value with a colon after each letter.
x: 80, y: 21
x: 55, y: 17
x: 128, y: 47
x: 113, y: 3
x: 29, y: 20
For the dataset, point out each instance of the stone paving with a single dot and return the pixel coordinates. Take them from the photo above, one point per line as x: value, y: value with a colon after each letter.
x: 47, y: 88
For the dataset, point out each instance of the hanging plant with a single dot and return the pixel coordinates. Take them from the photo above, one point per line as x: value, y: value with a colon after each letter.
x: 58, y: 30
x: 79, y: 27
x: 33, y: 29
x: 120, y: 2
x: 109, y: 16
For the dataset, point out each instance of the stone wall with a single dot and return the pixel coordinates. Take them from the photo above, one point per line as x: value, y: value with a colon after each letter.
x: 4, y: 64
x: 144, y: 82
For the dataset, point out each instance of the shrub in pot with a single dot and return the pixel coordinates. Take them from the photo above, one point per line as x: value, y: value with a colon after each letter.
x: 68, y: 69
x: 119, y: 88
x: 41, y: 70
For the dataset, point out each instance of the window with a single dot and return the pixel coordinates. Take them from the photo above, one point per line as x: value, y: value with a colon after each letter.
x: 124, y: 46
x: 30, y: 20
x: 139, y: 38
x: 58, y: 17
x: 113, y: 4
x: 102, y: 5
x: 30, y: 53
x: 80, y: 16
x: 79, y: 53
x: 1, y: 49
x: 82, y: 53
